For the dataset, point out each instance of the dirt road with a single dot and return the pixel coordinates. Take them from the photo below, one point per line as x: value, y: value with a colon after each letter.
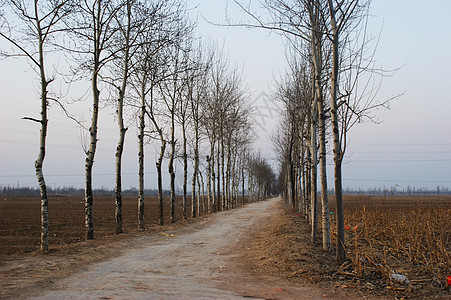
x: 199, y: 261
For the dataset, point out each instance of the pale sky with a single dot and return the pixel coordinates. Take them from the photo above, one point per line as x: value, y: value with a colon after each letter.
x: 412, y: 145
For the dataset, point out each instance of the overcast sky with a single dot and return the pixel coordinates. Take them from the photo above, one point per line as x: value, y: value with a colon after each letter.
x: 411, y: 147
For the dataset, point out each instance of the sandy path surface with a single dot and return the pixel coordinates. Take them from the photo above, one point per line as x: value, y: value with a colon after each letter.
x: 199, y: 261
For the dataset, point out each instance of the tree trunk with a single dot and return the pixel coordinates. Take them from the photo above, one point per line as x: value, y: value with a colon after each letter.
x: 185, y: 174
x: 340, y: 242
x: 292, y: 183
x: 90, y: 161
x: 97, y: 35
x: 213, y: 178
x: 218, y: 198
x: 316, y: 46
x: 242, y: 177
x: 209, y: 194
x: 118, y: 190
x: 325, y: 224
x: 195, y: 208
x: 42, y: 186
x: 42, y: 141
x: 308, y: 184
x: 142, y: 126
x: 250, y: 189
x: 233, y: 182
x: 228, y: 177
x: 171, y: 171
x: 120, y: 120
x: 201, y: 196
x: 302, y: 179
x: 119, y: 151
x: 223, y: 172
x: 160, y: 180
x: 313, y: 170
x: 38, y: 167
x: 338, y: 156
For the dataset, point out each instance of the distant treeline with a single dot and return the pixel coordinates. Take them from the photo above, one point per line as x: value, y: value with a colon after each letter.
x: 70, y: 191
x: 439, y: 190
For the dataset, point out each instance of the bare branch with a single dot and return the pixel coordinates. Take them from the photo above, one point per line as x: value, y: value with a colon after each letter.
x: 32, y: 119
x: 66, y: 112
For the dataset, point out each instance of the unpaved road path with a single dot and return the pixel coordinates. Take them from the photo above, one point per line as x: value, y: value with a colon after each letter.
x: 199, y: 261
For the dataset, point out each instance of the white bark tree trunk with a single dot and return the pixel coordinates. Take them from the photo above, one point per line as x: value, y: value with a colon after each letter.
x: 89, y: 223
x: 313, y: 183
x: 120, y: 114
x: 42, y: 139
x: 323, y: 176
x: 340, y: 242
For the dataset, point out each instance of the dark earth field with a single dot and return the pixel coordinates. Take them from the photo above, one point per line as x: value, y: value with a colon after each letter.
x: 20, y: 220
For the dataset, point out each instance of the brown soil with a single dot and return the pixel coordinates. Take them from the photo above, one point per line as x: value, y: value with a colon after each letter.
x: 23, y: 266
x: 20, y: 220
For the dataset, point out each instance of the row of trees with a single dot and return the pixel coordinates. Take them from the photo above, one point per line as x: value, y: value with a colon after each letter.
x: 143, y: 57
x: 330, y: 86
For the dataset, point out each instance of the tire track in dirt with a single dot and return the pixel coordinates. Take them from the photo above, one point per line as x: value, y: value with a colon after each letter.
x: 198, y: 261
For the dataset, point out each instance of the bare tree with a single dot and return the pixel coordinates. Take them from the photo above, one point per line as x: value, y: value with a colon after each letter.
x: 92, y: 42
x: 210, y: 128
x: 162, y: 30
x: 351, y: 99
x: 129, y: 30
x: 39, y: 22
x: 340, y: 252
x: 184, y: 115
x: 145, y: 74
x: 172, y: 92
x: 197, y: 83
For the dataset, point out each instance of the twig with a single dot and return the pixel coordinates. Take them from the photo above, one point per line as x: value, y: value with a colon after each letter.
x: 32, y: 119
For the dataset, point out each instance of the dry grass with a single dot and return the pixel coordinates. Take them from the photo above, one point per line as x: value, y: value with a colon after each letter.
x: 409, y: 236
x: 403, y: 235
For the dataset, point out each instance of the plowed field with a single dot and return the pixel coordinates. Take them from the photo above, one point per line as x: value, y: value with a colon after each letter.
x: 20, y: 220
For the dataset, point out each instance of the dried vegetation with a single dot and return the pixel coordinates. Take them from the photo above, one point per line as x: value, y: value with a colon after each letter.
x: 401, y: 241
x: 388, y: 239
